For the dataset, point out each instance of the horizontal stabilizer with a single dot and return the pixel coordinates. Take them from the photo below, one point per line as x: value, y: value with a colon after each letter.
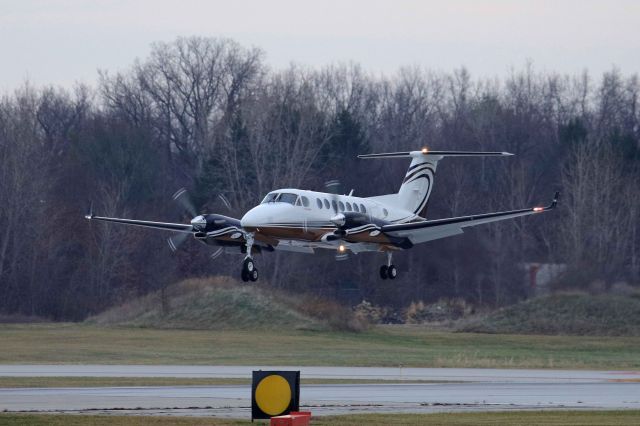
x: 426, y: 152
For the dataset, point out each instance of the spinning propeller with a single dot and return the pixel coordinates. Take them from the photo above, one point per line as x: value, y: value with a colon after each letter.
x: 183, y: 199
x: 338, y: 219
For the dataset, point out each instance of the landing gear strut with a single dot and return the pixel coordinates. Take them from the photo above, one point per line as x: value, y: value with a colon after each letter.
x: 249, y: 270
x: 389, y: 270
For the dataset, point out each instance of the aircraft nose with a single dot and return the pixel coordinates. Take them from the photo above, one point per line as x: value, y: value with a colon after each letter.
x: 252, y: 218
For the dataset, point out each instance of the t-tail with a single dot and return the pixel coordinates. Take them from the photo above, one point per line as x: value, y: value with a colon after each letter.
x: 416, y: 187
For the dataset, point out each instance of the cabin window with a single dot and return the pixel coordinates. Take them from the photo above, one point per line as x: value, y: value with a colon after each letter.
x: 356, y: 208
x: 305, y: 201
x: 319, y: 202
x: 335, y: 205
x: 287, y: 198
x: 385, y: 212
x: 362, y: 208
x: 348, y: 206
x: 270, y: 198
x: 341, y: 204
x: 326, y: 204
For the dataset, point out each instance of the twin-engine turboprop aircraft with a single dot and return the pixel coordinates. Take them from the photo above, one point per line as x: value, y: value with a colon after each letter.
x: 303, y: 221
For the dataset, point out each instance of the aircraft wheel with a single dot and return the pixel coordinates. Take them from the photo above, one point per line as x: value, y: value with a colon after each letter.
x: 392, y: 272
x: 383, y: 272
x: 253, y: 275
x: 248, y: 265
x: 244, y: 275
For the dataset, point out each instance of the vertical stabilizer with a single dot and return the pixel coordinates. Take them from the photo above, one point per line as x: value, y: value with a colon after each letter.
x: 418, y: 182
x: 416, y: 187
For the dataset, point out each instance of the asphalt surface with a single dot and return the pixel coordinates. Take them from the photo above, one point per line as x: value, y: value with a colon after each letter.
x: 473, y: 390
x: 362, y: 373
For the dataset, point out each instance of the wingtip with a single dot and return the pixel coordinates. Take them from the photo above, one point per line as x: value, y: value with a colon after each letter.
x: 555, y: 199
x: 89, y: 214
x: 507, y: 153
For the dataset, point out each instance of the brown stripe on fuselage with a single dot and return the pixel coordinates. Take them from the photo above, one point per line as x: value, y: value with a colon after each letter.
x: 313, y: 234
x: 290, y: 233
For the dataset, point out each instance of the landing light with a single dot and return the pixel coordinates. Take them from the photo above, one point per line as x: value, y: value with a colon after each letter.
x: 342, y: 248
x: 425, y: 150
x: 538, y: 209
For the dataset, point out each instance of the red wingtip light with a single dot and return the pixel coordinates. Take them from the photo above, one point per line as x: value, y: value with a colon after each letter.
x: 538, y: 209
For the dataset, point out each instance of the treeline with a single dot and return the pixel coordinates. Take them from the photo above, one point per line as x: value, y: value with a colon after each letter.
x: 210, y: 115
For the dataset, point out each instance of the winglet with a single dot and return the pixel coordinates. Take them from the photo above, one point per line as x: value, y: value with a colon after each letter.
x: 89, y: 214
x: 551, y: 206
x: 554, y: 203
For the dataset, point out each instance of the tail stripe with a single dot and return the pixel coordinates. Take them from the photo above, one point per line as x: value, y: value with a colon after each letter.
x: 414, y: 176
x: 425, y: 198
x: 426, y: 166
x: 414, y: 166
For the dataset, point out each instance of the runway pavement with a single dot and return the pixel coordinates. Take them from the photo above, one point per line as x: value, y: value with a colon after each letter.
x: 475, y: 389
x: 373, y: 373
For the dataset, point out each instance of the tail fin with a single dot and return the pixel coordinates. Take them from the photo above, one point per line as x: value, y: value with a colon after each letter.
x: 418, y: 182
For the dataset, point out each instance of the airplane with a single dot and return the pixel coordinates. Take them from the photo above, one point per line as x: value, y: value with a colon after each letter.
x: 304, y: 221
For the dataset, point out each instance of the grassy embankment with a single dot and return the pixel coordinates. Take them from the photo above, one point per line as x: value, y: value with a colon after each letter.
x: 552, y: 418
x: 564, y: 313
x: 215, y: 322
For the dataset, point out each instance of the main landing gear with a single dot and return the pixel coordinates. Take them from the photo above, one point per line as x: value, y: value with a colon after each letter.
x: 249, y: 270
x: 389, y: 270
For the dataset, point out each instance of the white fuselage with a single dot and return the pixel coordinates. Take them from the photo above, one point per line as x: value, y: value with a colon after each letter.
x: 300, y: 218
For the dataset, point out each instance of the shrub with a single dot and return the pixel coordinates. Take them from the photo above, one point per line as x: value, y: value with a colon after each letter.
x: 443, y: 310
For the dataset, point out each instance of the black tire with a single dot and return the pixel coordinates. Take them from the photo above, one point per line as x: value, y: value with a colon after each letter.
x: 253, y: 275
x: 244, y: 275
x: 392, y: 272
x: 383, y: 272
x: 248, y: 265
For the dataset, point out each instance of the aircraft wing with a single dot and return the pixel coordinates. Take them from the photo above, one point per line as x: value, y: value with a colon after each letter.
x: 175, y: 227
x: 428, y: 230
x: 225, y: 234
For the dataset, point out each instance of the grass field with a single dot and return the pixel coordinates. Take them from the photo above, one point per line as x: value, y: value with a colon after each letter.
x: 392, y: 346
x: 552, y: 418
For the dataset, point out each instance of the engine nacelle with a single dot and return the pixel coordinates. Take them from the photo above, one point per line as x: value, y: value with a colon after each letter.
x: 212, y: 222
x: 330, y: 237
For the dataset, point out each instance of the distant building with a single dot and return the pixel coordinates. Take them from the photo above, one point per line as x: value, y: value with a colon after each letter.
x: 540, y: 275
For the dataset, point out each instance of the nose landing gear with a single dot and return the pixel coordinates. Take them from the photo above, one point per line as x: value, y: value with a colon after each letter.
x: 249, y: 271
x: 389, y: 270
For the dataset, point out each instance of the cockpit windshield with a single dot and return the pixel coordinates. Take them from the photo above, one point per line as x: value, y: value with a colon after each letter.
x: 276, y: 197
x: 287, y: 198
x: 270, y: 198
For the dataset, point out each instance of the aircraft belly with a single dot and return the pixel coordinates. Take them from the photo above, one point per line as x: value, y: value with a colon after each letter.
x: 299, y: 239
x: 293, y: 232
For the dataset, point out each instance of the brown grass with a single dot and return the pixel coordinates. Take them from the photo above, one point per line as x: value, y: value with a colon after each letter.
x: 551, y: 418
x: 223, y: 303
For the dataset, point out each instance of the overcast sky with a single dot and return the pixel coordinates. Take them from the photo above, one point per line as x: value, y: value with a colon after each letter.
x: 64, y: 41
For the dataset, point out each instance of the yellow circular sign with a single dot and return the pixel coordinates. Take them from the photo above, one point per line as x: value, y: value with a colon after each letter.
x: 273, y: 395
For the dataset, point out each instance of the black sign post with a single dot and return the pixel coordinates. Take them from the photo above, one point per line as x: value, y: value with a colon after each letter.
x: 274, y: 393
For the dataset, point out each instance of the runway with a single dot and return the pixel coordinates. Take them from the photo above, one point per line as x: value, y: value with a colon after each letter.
x: 361, y: 373
x: 474, y: 389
